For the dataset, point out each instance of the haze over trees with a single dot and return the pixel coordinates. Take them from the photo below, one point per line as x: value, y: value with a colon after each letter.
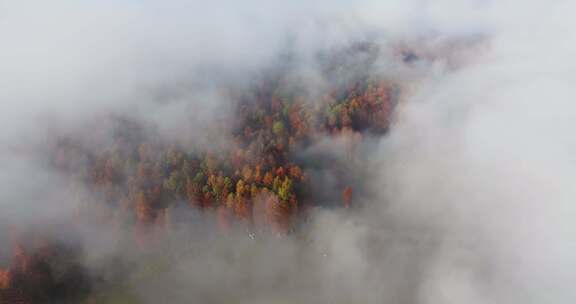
x: 258, y: 182
x: 326, y: 152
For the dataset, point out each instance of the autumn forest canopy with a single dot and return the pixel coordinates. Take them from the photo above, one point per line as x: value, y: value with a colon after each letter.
x: 260, y: 175
x: 251, y: 152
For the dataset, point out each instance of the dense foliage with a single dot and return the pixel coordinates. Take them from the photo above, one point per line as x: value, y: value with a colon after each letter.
x: 257, y: 181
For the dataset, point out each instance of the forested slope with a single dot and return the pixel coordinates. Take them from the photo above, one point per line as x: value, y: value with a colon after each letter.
x: 259, y: 181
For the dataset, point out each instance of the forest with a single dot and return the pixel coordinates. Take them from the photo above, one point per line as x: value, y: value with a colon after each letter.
x: 257, y: 182
x: 280, y: 152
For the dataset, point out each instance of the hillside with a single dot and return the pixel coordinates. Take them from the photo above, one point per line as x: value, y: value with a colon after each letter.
x: 261, y: 180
